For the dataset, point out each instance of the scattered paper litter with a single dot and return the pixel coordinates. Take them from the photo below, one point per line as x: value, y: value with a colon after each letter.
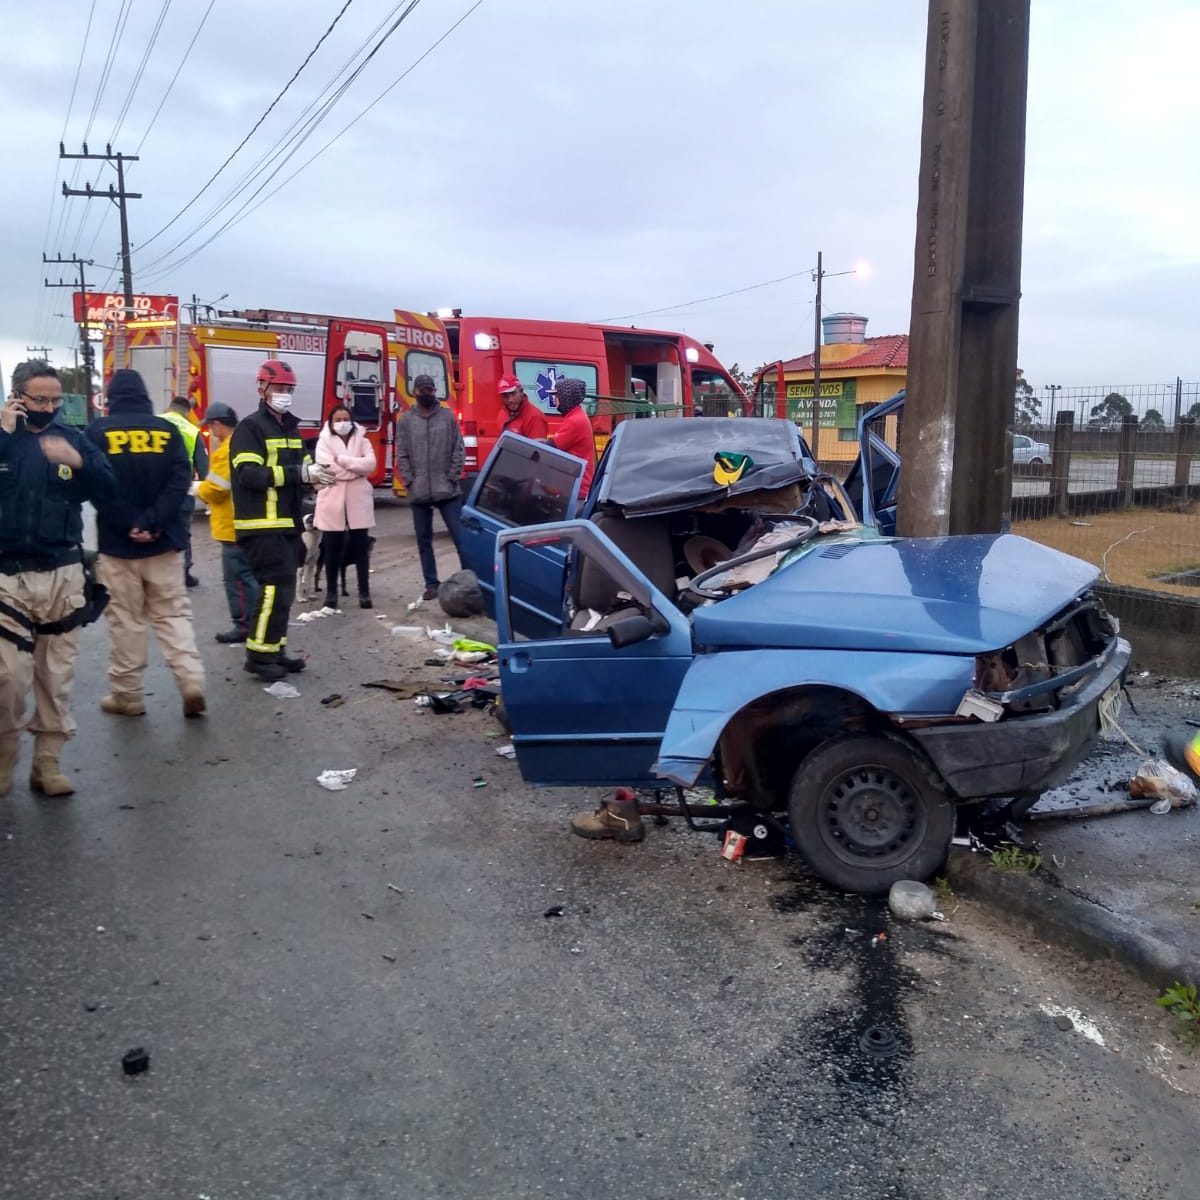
x: 282, y: 691
x: 445, y: 636
x: 316, y: 614
x: 336, y: 781
x: 508, y: 750
x: 406, y: 630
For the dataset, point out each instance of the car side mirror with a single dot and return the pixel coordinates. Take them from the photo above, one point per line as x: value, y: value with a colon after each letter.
x: 628, y: 631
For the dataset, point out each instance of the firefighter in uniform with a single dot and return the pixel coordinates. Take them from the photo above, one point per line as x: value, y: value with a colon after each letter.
x: 270, y: 468
x: 46, y: 471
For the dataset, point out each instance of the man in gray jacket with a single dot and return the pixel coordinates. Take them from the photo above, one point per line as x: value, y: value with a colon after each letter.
x: 430, y: 456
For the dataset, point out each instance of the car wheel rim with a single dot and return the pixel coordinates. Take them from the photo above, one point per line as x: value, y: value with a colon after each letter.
x: 872, y: 815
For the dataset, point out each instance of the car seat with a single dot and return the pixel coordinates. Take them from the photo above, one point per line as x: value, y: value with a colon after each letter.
x: 646, y: 541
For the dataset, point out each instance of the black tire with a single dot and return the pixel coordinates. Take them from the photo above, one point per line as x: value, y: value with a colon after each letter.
x: 868, y: 811
x: 1037, y: 468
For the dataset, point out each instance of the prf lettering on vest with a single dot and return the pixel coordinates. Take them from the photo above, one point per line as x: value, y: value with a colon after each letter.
x: 136, y: 441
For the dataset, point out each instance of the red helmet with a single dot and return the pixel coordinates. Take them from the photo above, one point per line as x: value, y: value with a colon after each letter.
x: 275, y: 370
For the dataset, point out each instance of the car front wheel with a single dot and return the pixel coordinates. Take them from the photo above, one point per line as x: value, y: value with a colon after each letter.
x: 868, y: 811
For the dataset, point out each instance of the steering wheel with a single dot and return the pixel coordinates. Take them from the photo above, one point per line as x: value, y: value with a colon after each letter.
x: 697, y: 592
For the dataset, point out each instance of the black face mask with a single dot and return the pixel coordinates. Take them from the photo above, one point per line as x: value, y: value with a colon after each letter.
x: 38, y: 420
x: 427, y: 401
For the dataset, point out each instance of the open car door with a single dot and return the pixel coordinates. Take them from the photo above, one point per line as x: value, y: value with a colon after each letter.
x: 874, y: 479
x: 356, y: 376
x: 522, y: 483
x: 588, y: 705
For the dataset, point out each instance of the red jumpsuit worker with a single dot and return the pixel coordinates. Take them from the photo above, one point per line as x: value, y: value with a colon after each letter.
x: 523, y: 417
x: 575, y: 436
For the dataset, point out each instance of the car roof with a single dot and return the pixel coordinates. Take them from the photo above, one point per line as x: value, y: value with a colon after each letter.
x: 663, y: 463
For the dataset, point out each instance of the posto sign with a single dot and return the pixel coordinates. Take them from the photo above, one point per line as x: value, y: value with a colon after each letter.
x: 96, y: 309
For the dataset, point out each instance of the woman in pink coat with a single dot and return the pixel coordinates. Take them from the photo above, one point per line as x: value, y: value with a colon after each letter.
x: 346, y: 509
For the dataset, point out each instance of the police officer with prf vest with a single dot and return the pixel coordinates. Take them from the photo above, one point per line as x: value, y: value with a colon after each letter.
x: 46, y: 471
x: 270, y: 468
x: 141, y: 535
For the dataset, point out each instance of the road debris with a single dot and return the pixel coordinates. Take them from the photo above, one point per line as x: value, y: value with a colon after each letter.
x: 508, y: 750
x: 393, y: 888
x: 913, y: 901
x: 388, y: 957
x: 1082, y: 1024
x: 135, y: 1061
x: 333, y: 700
x: 1170, y: 788
x: 479, y: 783
x: 406, y: 630
x: 316, y: 614
x: 282, y: 691
x: 555, y: 910
x: 336, y: 781
x: 405, y: 690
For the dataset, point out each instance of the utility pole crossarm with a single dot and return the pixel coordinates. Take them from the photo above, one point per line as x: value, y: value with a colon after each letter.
x: 118, y: 195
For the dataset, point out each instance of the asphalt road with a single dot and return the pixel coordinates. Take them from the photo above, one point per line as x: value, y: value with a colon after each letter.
x: 686, y: 1028
x: 1100, y: 475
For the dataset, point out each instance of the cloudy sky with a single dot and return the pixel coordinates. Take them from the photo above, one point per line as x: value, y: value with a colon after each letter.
x: 591, y: 159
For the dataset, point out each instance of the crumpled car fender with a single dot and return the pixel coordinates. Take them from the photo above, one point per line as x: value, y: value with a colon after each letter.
x: 719, y: 685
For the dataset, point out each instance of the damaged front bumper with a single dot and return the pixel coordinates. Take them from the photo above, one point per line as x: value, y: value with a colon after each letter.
x: 1026, y: 752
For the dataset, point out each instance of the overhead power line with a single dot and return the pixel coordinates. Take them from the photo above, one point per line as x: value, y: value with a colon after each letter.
x: 249, y: 207
x: 649, y: 312
x: 175, y: 77
x: 137, y: 78
x: 297, y: 141
x: 278, y: 147
x: 253, y: 128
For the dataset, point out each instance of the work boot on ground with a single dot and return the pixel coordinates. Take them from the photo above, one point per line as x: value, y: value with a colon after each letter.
x: 430, y: 593
x: 364, y: 600
x: 123, y: 706
x: 8, y: 760
x: 231, y: 637
x: 47, y: 777
x: 616, y: 818
x: 1182, y: 751
x: 292, y: 665
x: 267, y: 671
x: 194, y: 704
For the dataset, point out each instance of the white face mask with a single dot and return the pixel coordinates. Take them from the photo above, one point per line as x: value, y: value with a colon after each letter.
x: 280, y: 402
x: 343, y: 427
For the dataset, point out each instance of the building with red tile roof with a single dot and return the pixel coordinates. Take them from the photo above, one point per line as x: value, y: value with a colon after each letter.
x: 857, y: 372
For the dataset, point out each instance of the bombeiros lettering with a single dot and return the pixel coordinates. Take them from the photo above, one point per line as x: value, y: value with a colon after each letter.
x: 427, y: 339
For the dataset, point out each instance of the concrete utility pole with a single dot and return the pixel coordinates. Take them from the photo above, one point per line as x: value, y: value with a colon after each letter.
x: 84, y: 343
x: 818, y: 275
x: 118, y: 196
x: 43, y: 352
x: 962, y: 364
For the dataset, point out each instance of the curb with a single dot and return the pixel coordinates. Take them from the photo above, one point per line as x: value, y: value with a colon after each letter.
x: 1055, y: 915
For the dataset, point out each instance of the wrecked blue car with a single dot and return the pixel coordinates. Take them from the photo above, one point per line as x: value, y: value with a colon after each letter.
x: 720, y: 614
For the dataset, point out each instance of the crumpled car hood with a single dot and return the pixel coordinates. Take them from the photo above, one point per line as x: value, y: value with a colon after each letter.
x: 960, y: 595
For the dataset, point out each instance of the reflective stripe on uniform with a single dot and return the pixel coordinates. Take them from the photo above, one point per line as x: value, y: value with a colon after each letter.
x: 217, y: 481
x: 248, y: 456
x: 274, y: 445
x: 257, y: 642
x: 265, y: 523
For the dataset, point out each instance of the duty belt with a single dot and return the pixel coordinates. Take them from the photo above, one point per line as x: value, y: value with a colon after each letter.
x: 12, y: 564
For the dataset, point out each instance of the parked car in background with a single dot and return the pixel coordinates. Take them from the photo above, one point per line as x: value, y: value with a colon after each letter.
x: 720, y: 613
x: 1027, y: 452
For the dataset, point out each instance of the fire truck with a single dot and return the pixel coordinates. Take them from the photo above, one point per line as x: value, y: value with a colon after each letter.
x: 370, y: 367
x: 336, y: 360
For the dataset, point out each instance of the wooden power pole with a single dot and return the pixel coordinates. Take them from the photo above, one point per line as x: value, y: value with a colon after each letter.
x: 962, y: 365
